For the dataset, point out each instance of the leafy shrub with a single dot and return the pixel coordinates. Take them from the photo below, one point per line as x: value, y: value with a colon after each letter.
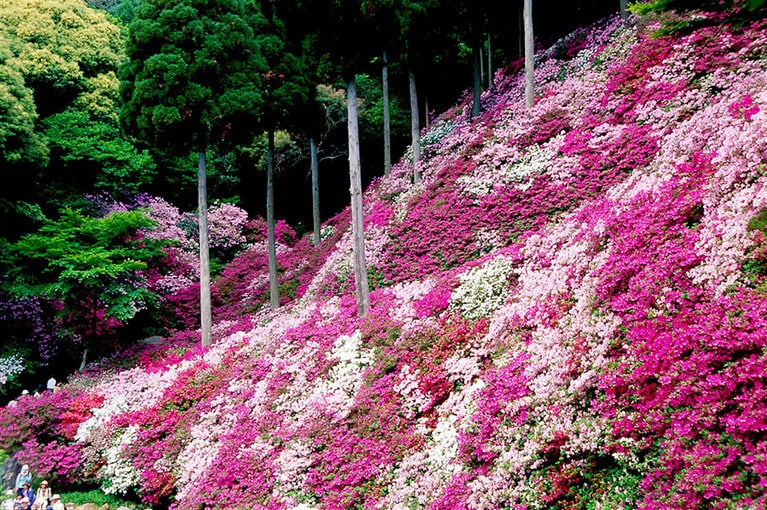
x: 96, y: 497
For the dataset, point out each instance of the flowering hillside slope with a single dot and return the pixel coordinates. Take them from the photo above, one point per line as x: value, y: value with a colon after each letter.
x: 570, y: 311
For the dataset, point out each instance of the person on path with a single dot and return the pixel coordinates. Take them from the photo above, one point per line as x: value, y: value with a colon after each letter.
x: 23, y: 477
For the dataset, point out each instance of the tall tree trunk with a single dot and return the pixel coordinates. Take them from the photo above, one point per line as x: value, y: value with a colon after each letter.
x: 386, y: 118
x: 527, y: 14
x: 415, y: 127
x: 489, y: 62
x: 521, y: 31
x: 274, y: 290
x: 477, y: 72
x: 426, y: 112
x: 94, y: 325
x: 206, y: 321
x: 84, y: 360
x: 624, y: 12
x: 481, y: 64
x: 315, y: 189
x: 362, y: 291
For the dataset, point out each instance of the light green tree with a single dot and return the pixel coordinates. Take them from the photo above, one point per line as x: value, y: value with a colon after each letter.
x: 19, y: 142
x: 59, y: 60
x: 93, y: 267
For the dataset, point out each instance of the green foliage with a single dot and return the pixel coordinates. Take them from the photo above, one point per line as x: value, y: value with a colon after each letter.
x: 286, y: 151
x: 92, y: 266
x: 377, y: 278
x: 285, y: 81
x: 288, y: 289
x: 18, y: 140
x: 193, y: 75
x: 755, y: 263
x: 59, y: 93
x: 371, y: 108
x: 105, y: 5
x: 83, y: 142
x: 57, y: 45
x: 759, y: 222
x: 96, y: 497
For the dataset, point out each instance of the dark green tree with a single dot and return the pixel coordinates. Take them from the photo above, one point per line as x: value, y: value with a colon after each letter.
x: 192, y: 81
x: 58, y: 61
x: 93, y: 267
x: 285, y: 90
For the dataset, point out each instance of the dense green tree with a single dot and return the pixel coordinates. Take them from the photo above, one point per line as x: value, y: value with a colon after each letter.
x: 285, y: 90
x: 20, y: 143
x: 193, y: 81
x: 58, y: 45
x: 94, y: 267
x: 85, y: 145
x: 59, y: 60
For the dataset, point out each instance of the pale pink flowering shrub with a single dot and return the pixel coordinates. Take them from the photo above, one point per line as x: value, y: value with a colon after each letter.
x: 226, y: 226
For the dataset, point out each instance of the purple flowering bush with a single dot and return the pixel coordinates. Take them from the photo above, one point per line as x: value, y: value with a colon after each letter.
x: 568, y: 311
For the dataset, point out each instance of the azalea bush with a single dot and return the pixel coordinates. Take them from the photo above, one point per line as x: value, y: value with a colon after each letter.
x: 568, y: 311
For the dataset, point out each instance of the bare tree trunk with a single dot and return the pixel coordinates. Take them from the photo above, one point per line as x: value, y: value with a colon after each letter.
x: 489, y: 62
x: 477, y: 72
x: 386, y: 118
x: 362, y: 291
x: 94, y: 325
x: 426, y: 111
x: 521, y: 28
x: 315, y: 190
x: 481, y: 63
x: 624, y: 12
x: 527, y: 14
x: 274, y: 290
x: 415, y: 127
x: 206, y: 321
x: 84, y: 360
